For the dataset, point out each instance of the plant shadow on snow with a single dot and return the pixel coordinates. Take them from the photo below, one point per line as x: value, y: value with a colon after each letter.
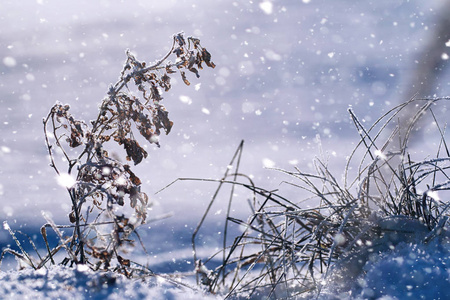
x: 320, y: 246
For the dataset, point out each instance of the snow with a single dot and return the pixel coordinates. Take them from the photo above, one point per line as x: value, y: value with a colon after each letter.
x: 266, y: 6
x: 59, y: 282
x: 414, y: 271
x: 185, y: 99
x: 9, y: 61
x: 410, y: 271
x: 65, y: 180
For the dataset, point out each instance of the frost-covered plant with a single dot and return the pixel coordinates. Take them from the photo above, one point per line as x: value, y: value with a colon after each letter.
x: 288, y: 250
x: 100, y: 185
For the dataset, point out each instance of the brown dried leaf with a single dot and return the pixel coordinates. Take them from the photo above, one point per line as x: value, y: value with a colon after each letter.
x: 180, y: 40
x: 75, y: 139
x: 183, y: 76
x: 156, y: 95
x: 134, y: 150
x: 199, y: 61
x: 169, y: 70
x: 124, y: 262
x: 134, y: 195
x: 195, y: 42
x: 165, y: 82
x: 72, y: 218
x: 178, y: 51
x: 194, y: 70
x: 207, y: 58
x: 191, y: 60
x: 133, y: 178
x: 163, y: 117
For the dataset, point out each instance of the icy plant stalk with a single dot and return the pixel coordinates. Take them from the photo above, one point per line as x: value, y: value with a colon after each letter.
x: 101, y: 185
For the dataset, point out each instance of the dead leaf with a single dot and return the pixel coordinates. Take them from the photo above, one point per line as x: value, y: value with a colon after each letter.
x: 183, y: 76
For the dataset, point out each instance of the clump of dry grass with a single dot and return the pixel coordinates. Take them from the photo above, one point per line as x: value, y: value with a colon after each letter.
x: 287, y: 251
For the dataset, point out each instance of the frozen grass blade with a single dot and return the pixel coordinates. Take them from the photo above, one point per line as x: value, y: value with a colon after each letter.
x: 24, y: 255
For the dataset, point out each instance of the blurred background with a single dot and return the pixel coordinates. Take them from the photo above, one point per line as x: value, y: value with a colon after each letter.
x: 287, y: 71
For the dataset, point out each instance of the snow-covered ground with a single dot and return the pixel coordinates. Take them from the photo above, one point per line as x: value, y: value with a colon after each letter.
x: 409, y: 272
x: 286, y: 72
x: 81, y: 283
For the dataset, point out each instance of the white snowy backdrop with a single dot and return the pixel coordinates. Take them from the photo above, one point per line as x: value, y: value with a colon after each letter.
x: 286, y: 72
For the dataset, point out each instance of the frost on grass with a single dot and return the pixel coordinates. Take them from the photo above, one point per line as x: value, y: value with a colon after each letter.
x: 352, y: 232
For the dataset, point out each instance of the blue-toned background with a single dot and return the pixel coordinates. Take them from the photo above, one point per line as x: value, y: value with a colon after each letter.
x: 287, y: 71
